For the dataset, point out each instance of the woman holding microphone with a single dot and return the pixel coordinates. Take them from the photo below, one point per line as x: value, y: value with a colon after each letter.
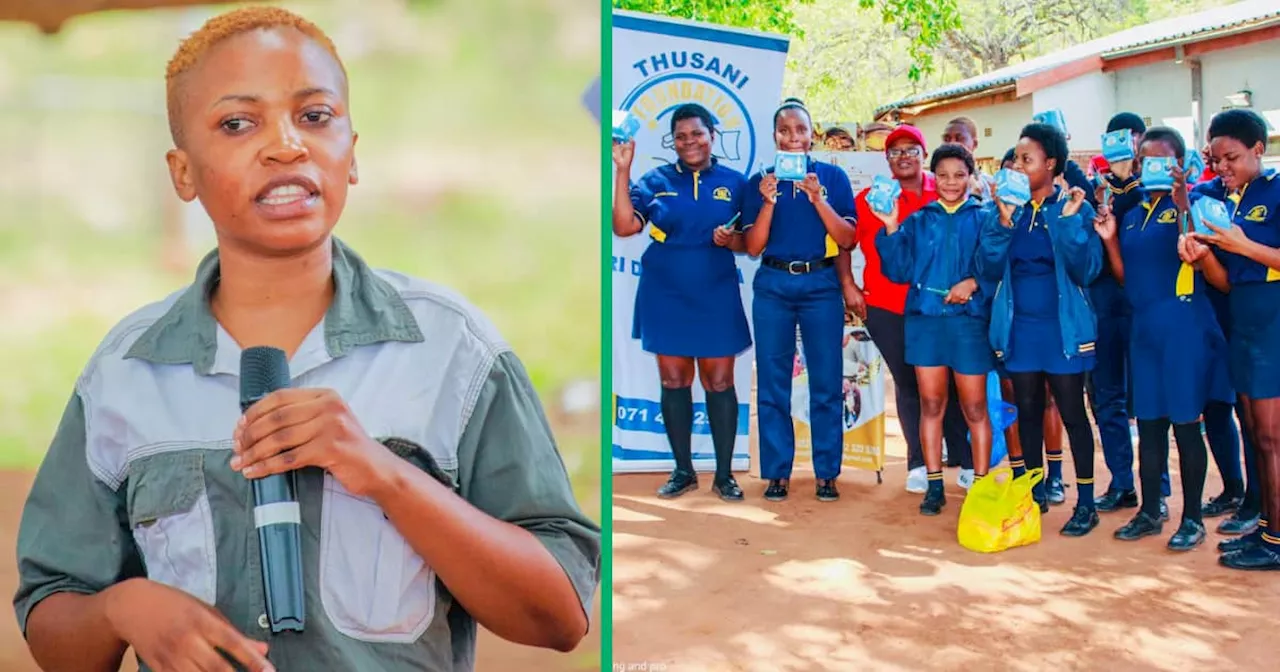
x: 799, y: 227
x: 688, y: 309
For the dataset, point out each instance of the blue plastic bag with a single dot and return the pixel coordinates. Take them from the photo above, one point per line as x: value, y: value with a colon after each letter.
x: 1117, y: 146
x: 791, y: 166
x: 625, y: 126
x: 1013, y: 187
x: 1157, y: 173
x: 1002, y: 415
x: 883, y: 194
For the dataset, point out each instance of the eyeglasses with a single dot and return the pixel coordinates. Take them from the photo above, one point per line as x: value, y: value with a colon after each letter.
x: 913, y: 152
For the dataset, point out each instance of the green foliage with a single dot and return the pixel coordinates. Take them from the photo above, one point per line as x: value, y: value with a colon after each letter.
x: 924, y: 22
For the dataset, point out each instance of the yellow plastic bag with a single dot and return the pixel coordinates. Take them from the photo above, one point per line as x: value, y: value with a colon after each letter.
x: 999, y: 512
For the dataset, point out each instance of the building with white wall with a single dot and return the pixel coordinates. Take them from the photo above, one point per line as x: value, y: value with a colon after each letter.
x: 1177, y: 72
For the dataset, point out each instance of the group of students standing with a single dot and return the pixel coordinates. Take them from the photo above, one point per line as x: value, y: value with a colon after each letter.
x: 1090, y: 287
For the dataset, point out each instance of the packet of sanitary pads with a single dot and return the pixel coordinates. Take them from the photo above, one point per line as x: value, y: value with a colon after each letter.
x: 1193, y: 167
x: 1157, y: 173
x: 883, y: 194
x: 791, y: 166
x: 1210, y: 210
x: 625, y: 125
x: 1117, y: 146
x: 1013, y: 187
x: 1054, y: 118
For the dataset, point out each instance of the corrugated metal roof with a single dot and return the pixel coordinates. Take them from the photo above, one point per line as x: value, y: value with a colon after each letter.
x: 1151, y: 34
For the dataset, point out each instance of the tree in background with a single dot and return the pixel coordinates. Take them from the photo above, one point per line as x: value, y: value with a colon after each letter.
x: 849, y: 57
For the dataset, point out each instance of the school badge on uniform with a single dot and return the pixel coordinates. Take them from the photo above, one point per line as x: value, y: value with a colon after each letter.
x: 722, y: 194
x: 1257, y: 213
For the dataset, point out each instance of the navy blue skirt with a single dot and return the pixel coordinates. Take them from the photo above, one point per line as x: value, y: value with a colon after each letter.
x: 1178, y: 360
x: 688, y: 303
x: 1255, y: 339
x: 958, y: 342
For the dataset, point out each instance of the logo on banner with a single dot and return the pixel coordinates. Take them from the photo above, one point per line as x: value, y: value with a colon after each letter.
x: 675, y: 78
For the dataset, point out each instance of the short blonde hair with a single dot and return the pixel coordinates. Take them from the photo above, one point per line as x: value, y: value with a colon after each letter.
x: 221, y: 28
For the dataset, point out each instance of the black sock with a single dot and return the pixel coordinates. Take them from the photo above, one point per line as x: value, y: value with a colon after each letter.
x: 1018, y: 465
x: 677, y: 417
x: 1193, y: 463
x: 1153, y: 457
x: 722, y: 413
x: 935, y: 484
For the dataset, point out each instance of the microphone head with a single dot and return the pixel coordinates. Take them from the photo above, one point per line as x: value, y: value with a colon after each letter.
x: 263, y: 370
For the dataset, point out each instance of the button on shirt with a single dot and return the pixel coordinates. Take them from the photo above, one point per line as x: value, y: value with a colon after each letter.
x: 137, y: 480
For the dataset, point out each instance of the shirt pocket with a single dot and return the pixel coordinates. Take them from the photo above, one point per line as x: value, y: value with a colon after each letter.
x: 172, y: 523
x: 373, y: 586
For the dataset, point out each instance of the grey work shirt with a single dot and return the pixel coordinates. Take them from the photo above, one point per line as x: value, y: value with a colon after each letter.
x: 137, y: 480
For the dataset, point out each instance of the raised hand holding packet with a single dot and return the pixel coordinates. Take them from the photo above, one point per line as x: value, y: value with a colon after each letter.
x: 1193, y: 167
x: 791, y: 166
x: 1209, y: 210
x: 883, y: 194
x: 1013, y: 187
x: 1157, y: 173
x: 1117, y: 145
x: 625, y: 126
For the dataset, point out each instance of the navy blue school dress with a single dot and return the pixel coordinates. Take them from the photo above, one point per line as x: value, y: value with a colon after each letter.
x: 931, y: 252
x: 1035, y: 338
x: 797, y: 286
x: 1254, y: 299
x: 688, y: 302
x: 1177, y: 353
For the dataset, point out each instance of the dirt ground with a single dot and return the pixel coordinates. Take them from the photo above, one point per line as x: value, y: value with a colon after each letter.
x: 492, y: 653
x: 868, y: 584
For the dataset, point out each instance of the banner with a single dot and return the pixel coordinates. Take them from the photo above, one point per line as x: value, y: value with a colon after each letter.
x: 863, y: 368
x: 659, y: 64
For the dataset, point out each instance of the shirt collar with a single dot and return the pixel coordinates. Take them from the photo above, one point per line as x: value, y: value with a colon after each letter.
x: 365, y: 310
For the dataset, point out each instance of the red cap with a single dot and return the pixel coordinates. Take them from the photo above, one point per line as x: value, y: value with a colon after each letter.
x: 907, y: 132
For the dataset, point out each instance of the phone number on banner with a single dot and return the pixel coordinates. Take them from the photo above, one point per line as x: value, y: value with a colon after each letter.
x: 643, y: 415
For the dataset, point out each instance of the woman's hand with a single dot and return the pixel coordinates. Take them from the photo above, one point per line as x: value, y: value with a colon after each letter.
x: 1180, y: 197
x: 722, y: 237
x: 769, y: 187
x: 1105, y: 223
x: 962, y: 291
x: 1191, y: 251
x: 890, y: 220
x: 1230, y: 239
x: 812, y: 187
x: 1006, y: 213
x: 1073, y: 205
x: 623, y: 154
x: 299, y: 427
x: 854, y: 301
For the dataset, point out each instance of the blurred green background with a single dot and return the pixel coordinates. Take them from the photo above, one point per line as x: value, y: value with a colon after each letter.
x: 479, y: 170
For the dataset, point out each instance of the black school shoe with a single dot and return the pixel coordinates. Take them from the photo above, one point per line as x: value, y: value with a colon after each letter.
x: 1221, y: 505
x: 1082, y: 522
x: 1258, y: 557
x: 1115, y: 499
x: 1189, y: 535
x: 1142, y: 525
x: 1240, y: 522
x: 777, y: 490
x: 1056, y: 491
x: 1240, y: 543
x: 680, y: 482
x: 826, y: 490
x: 728, y: 489
x: 933, y: 503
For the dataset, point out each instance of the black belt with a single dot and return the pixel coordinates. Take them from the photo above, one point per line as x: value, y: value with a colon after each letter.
x: 798, y: 267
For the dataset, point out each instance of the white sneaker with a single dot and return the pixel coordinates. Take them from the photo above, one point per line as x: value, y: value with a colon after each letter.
x: 965, y: 479
x: 918, y: 480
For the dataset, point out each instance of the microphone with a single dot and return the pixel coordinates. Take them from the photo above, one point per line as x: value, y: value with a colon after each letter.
x: 276, y: 513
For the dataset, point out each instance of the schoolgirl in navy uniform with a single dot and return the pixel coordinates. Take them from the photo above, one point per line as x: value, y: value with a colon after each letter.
x: 1177, y: 353
x: 688, y: 307
x: 947, y: 310
x: 799, y: 228
x: 1247, y: 255
x: 1042, y: 324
